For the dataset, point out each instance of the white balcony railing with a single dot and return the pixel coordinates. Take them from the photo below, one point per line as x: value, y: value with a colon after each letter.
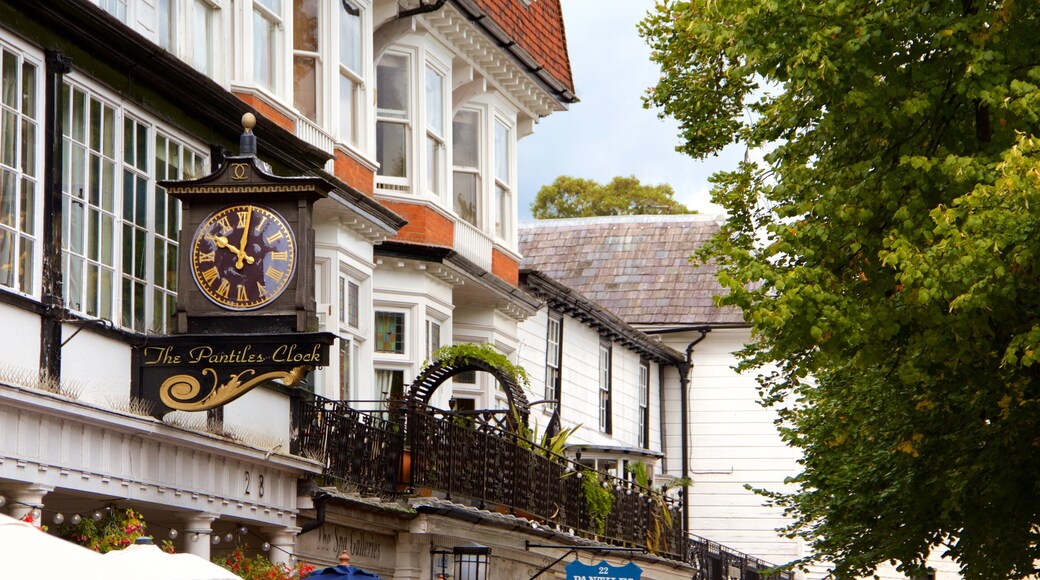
x: 473, y: 244
x: 313, y: 134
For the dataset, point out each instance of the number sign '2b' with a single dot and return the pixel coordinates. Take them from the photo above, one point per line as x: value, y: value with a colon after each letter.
x: 603, y: 571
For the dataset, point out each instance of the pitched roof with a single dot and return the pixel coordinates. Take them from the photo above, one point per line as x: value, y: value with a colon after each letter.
x: 538, y: 29
x: 634, y: 266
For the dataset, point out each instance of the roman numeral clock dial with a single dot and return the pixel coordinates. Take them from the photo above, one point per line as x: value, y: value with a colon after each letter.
x: 243, y: 256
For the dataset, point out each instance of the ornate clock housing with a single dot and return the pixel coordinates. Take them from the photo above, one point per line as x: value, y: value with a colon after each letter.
x: 243, y: 256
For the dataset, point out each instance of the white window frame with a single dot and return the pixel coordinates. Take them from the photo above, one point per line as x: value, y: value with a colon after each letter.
x: 605, y: 372
x: 278, y: 54
x: 357, y: 78
x: 188, y: 149
x: 351, y: 333
x: 434, y: 336
x: 477, y: 170
x: 503, y: 219
x: 435, y: 150
x: 553, y: 357
x: 394, y: 183
x: 643, y: 422
x: 317, y: 57
x: 407, y: 329
x: 23, y: 233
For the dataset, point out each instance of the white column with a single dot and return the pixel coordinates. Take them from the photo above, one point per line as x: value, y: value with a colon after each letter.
x: 22, y: 499
x: 201, y: 524
x: 283, y: 544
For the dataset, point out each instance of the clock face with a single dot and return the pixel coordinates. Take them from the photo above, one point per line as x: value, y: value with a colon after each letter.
x: 243, y: 256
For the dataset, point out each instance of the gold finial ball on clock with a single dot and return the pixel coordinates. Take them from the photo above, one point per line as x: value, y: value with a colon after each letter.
x: 248, y: 121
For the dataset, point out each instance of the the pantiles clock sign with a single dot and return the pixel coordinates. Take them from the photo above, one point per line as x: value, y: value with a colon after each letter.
x: 245, y: 288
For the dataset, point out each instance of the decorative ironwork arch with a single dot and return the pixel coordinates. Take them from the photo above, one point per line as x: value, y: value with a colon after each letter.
x: 438, y: 372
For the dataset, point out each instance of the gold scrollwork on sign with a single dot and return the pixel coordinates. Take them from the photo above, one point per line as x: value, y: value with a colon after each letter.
x: 239, y: 171
x: 179, y: 391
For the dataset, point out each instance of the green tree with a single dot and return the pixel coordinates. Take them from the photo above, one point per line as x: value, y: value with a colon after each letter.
x: 568, y: 197
x: 886, y: 253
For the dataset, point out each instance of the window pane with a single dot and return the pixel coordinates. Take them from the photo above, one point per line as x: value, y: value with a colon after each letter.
x: 305, y: 25
x: 349, y: 40
x: 263, y: 51
x: 503, y: 212
x: 501, y: 152
x: 390, y: 332
x: 28, y: 89
x: 434, y: 160
x: 7, y: 265
x: 353, y: 304
x: 8, y: 198
x: 464, y: 134
x: 392, y: 149
x: 392, y: 86
x: 9, y: 80
x: 201, y: 33
x: 305, y: 86
x: 347, y: 110
x: 164, y: 9
x: 465, y: 195
x: 434, y: 101
x: 8, y: 138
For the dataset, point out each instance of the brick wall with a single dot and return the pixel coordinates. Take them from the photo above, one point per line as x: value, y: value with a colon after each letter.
x: 355, y: 174
x: 268, y: 111
x: 425, y: 226
x: 505, y: 267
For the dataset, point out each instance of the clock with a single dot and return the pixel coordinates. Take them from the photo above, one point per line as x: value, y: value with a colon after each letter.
x: 243, y: 256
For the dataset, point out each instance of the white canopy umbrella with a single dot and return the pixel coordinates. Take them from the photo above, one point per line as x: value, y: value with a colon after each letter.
x: 146, y: 560
x: 26, y: 550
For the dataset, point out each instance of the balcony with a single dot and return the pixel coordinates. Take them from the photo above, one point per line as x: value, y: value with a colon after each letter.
x: 473, y: 244
x: 468, y: 460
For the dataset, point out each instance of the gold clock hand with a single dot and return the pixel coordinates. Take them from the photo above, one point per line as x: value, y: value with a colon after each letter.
x: 242, y: 245
x: 222, y: 242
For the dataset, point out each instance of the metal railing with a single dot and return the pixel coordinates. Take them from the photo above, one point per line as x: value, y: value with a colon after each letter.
x: 473, y: 462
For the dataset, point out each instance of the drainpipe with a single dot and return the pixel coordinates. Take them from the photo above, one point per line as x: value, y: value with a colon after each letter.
x: 684, y: 410
x: 319, y: 498
x: 57, y: 66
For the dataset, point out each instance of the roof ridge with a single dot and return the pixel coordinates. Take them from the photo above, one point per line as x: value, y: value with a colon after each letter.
x: 622, y: 219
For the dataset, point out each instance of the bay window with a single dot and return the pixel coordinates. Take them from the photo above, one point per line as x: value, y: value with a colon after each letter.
x: 393, y: 117
x: 465, y: 134
x: 20, y: 117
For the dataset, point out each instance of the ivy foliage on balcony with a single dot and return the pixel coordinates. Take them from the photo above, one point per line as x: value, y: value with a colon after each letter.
x: 459, y: 354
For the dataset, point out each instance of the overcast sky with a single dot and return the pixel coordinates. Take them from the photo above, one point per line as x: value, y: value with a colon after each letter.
x: 609, y: 133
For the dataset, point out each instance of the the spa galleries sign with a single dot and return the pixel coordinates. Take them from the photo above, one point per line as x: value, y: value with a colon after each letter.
x: 201, y: 372
x: 603, y: 571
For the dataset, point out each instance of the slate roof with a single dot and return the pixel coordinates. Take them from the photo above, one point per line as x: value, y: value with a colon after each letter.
x: 634, y: 266
x: 538, y: 29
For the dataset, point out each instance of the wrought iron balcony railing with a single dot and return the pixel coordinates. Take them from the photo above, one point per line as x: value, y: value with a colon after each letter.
x: 416, y: 449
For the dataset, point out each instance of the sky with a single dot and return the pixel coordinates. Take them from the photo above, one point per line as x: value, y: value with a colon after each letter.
x: 609, y: 133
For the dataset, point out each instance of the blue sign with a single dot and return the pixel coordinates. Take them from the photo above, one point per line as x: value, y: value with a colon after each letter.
x: 603, y: 571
